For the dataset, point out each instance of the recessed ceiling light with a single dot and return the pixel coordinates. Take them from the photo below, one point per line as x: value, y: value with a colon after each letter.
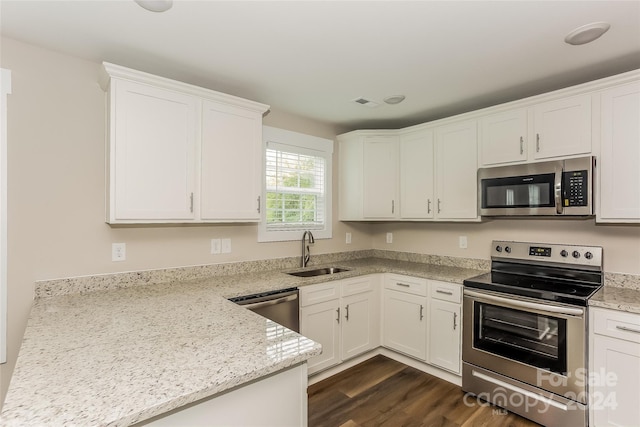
x: 394, y: 99
x: 155, y: 5
x: 587, y: 33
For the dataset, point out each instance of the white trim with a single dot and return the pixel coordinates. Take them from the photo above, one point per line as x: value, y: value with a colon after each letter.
x: 302, y: 143
x: 5, y: 89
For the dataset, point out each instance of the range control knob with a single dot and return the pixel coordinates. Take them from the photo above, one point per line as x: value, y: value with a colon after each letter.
x: 576, y: 254
x: 588, y: 255
x: 498, y: 248
x: 564, y: 253
x: 507, y: 249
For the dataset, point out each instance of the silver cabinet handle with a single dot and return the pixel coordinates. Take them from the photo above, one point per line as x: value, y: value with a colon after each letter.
x: 393, y: 206
x: 258, y: 204
x: 404, y: 285
x: 537, y: 142
x: 521, y: 145
x: 191, y: 202
x: 438, y: 205
x: 347, y: 310
x: 421, y: 311
x: 338, y: 317
x: 428, y: 206
x: 455, y: 317
x: 440, y: 291
x: 627, y: 329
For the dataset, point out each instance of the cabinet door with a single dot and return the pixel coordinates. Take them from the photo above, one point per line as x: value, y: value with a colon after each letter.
x: 359, y: 325
x: 456, y: 168
x: 620, y: 155
x: 405, y: 324
x: 380, y: 177
x: 152, y: 153
x: 562, y: 127
x: 444, y: 335
x: 616, y: 373
x: 502, y: 137
x: 417, y: 175
x: 321, y: 323
x: 231, y: 163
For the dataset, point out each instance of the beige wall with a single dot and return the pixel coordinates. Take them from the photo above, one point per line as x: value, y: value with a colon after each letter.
x: 621, y: 243
x: 57, y: 186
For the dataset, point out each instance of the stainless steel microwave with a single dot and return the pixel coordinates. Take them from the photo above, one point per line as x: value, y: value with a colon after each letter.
x: 561, y: 187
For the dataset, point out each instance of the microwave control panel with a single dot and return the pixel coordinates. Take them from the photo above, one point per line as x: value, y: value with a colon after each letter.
x: 575, y: 188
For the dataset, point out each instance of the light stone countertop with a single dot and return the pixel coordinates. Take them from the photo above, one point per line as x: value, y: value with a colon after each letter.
x: 617, y: 298
x: 117, y: 357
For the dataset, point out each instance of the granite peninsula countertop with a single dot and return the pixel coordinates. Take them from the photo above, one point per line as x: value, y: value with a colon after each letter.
x: 117, y: 357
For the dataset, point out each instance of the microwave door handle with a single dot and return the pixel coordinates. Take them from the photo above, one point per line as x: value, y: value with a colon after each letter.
x: 558, y: 190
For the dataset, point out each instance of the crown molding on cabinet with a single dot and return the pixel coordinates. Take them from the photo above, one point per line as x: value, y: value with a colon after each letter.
x: 110, y: 70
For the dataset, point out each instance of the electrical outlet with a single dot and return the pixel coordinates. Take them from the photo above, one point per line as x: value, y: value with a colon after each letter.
x: 348, y: 238
x: 389, y: 237
x: 118, y: 251
x: 216, y: 246
x: 226, y: 246
x: 462, y: 241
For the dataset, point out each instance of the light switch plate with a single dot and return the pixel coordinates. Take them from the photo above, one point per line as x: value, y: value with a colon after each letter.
x: 216, y: 246
x: 389, y: 237
x: 462, y: 241
x: 348, y: 238
x: 226, y: 246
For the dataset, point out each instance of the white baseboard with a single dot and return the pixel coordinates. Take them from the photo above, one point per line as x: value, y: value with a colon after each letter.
x: 422, y: 366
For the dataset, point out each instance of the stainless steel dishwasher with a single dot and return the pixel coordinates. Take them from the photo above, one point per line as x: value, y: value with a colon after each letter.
x: 280, y: 306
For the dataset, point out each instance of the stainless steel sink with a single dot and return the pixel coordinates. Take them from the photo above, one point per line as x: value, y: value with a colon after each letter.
x: 318, y: 272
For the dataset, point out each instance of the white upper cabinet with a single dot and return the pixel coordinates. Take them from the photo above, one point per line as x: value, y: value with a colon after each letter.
x: 503, y: 137
x: 231, y: 163
x: 380, y: 177
x: 428, y: 169
x: 152, y: 153
x: 178, y: 153
x: 562, y: 127
x: 417, y: 174
x: 620, y: 155
x: 456, y: 171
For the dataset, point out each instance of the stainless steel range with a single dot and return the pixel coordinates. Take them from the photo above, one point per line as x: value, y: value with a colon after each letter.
x: 525, y: 330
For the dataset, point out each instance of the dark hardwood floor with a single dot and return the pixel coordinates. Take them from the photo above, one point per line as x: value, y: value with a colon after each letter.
x: 383, y: 392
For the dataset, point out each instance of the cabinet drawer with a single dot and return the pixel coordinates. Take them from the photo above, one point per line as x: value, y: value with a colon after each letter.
x: 357, y: 285
x: 407, y: 284
x: 445, y: 291
x: 617, y: 324
x: 319, y: 293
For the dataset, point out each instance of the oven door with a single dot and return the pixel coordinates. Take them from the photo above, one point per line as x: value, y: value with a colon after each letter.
x: 540, y: 344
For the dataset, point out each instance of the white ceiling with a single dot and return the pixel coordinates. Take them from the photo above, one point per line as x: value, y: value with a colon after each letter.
x: 312, y: 58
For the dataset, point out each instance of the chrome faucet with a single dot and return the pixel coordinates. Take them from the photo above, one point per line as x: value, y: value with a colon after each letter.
x: 306, y: 254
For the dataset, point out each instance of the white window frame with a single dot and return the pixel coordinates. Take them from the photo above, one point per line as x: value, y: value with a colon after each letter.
x: 304, y: 144
x: 5, y: 89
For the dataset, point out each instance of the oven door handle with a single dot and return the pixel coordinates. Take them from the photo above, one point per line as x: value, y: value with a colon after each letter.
x: 526, y: 304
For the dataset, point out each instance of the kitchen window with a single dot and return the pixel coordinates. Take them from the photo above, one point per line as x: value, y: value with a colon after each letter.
x: 296, y: 193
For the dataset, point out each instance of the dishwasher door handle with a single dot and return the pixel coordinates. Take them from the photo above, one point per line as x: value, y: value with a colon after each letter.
x: 280, y: 300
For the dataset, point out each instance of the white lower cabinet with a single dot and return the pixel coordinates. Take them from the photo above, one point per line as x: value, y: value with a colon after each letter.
x: 266, y: 397
x: 420, y: 318
x: 445, y: 325
x: 614, y: 368
x: 343, y: 316
x: 405, y: 315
